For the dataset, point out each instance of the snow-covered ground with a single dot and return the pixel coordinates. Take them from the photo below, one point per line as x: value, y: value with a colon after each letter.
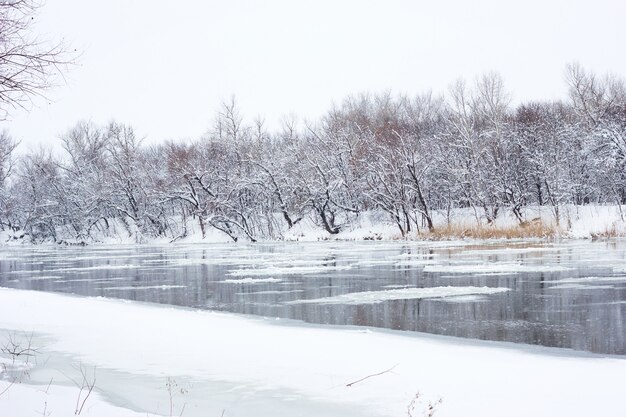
x: 22, y: 400
x: 262, y: 363
x: 579, y: 222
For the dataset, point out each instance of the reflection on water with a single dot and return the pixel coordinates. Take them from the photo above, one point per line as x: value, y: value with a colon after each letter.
x: 565, y: 295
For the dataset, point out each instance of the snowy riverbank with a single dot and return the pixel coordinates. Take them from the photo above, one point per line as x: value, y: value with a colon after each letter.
x: 575, y: 222
x: 264, y: 363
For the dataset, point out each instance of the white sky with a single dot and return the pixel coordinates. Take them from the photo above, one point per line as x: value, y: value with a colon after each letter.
x: 164, y: 67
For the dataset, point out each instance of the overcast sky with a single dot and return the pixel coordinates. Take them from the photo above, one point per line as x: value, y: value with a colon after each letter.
x: 164, y: 67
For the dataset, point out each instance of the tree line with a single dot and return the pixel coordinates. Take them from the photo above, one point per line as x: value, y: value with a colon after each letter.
x: 408, y: 157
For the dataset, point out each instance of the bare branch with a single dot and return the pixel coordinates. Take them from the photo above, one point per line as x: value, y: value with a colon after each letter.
x: 371, y: 376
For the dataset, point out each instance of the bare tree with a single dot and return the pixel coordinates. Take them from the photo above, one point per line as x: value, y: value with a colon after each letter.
x: 7, y: 163
x: 593, y: 96
x: 411, y: 159
x: 28, y: 65
x: 7, y: 159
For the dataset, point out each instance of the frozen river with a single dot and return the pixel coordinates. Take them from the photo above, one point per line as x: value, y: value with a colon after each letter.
x: 570, y: 294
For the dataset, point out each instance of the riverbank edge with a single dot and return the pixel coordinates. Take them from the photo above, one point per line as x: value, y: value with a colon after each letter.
x: 574, y: 222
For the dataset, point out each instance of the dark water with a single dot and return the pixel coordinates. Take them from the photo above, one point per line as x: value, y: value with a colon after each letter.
x: 570, y: 295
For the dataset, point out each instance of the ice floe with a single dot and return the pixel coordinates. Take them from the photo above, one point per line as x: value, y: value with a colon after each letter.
x: 251, y: 281
x: 296, y: 270
x: 494, y: 268
x: 373, y: 297
x: 144, y: 287
x: 581, y: 287
x: 588, y: 279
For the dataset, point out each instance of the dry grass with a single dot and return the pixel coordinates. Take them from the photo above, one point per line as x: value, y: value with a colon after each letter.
x: 609, y: 232
x: 528, y: 230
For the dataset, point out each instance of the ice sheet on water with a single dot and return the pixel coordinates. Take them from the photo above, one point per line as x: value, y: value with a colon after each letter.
x: 495, y: 268
x: 287, y: 262
x: 273, y: 292
x: 589, y: 279
x: 374, y: 297
x: 609, y: 303
x: 392, y: 286
x: 296, y: 270
x: 43, y: 277
x: 464, y: 299
x: 257, y: 261
x: 24, y: 271
x: 93, y: 280
x: 512, y: 251
x: 144, y: 287
x: 251, y: 281
x: 580, y: 287
x: 95, y: 268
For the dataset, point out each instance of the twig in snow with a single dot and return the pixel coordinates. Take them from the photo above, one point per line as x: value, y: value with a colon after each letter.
x: 7, y: 387
x: 370, y: 376
x: 45, y: 391
x: 86, y: 384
